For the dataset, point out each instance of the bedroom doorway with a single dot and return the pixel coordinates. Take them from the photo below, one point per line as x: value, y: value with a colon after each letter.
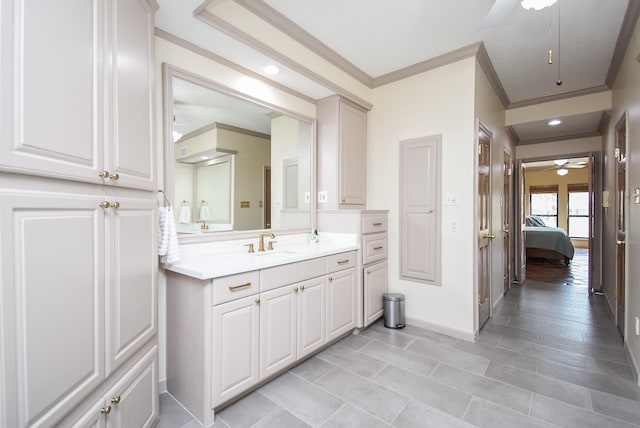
x: 485, y: 235
x: 558, y: 204
x: 620, y: 209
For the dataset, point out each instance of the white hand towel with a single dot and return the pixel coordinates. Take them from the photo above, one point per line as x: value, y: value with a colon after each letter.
x: 168, y: 246
x: 204, y: 212
x: 185, y: 214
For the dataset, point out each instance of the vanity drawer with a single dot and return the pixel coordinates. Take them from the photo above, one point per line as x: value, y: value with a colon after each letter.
x: 341, y: 261
x: 374, y: 223
x: 233, y: 287
x: 374, y: 247
x: 291, y: 273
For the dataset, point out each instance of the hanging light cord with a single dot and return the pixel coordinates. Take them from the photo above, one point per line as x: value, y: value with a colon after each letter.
x: 559, y: 81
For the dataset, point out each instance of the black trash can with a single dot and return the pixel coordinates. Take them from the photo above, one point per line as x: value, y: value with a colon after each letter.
x: 393, y: 310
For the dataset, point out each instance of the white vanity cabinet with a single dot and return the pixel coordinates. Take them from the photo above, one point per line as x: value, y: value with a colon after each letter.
x: 228, y: 334
x: 77, y: 95
x: 371, y: 265
x: 342, y: 156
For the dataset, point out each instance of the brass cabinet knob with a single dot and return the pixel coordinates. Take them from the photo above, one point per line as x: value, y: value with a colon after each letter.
x: 295, y: 289
x: 105, y: 410
x: 258, y: 301
x: 330, y: 278
x: 302, y: 288
x: 104, y: 174
x: 114, y: 177
x: 105, y: 204
x: 115, y: 204
x: 115, y: 400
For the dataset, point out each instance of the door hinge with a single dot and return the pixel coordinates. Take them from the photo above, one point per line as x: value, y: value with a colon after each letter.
x: 616, y: 153
x: 479, y: 149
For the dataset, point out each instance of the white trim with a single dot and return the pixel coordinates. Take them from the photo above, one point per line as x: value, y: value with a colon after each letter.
x: 635, y: 368
x: 438, y: 328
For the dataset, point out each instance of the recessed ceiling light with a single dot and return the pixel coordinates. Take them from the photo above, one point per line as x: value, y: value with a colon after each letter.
x: 537, y: 4
x: 204, y: 157
x: 271, y: 70
x: 554, y: 122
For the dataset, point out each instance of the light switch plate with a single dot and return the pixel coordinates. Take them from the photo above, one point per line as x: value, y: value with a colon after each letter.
x: 322, y: 197
x: 307, y: 197
x: 452, y: 199
x: 454, y: 225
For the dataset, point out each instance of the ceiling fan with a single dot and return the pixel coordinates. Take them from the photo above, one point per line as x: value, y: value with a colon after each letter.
x: 561, y: 166
x: 502, y: 8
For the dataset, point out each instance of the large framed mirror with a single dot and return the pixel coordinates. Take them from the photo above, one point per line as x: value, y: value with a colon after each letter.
x: 232, y: 163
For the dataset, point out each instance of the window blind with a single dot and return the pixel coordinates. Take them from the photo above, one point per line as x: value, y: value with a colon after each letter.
x: 546, y: 188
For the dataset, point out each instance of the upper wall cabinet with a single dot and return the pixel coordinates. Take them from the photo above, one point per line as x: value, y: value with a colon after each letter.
x: 342, y: 154
x: 77, y: 91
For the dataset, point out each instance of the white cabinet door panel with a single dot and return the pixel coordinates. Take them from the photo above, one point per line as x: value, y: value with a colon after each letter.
x: 353, y: 156
x: 131, y: 143
x: 52, y: 91
x: 235, y: 348
x: 311, y: 322
x: 131, y: 290
x: 51, y: 297
x: 277, y: 329
x: 375, y: 285
x: 341, y: 303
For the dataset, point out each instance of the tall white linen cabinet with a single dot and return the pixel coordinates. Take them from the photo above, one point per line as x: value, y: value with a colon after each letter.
x: 78, y: 200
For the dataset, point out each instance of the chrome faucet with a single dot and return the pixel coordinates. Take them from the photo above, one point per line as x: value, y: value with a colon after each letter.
x: 261, y: 240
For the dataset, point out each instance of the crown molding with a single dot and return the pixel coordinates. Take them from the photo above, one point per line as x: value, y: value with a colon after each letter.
x: 624, y: 38
x: 237, y: 67
x: 487, y: 66
x: 230, y: 30
x: 556, y: 97
x: 277, y: 20
x: 560, y: 138
x: 430, y: 64
x: 511, y: 132
x: 604, y: 122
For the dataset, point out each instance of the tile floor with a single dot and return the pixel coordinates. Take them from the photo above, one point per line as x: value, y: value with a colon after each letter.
x: 550, y: 356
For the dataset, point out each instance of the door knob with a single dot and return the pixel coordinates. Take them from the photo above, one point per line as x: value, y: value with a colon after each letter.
x: 489, y: 236
x: 621, y: 242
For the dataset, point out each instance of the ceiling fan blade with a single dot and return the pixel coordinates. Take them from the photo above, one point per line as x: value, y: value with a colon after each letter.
x: 499, y: 10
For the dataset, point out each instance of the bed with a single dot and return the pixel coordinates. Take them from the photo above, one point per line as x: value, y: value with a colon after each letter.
x: 550, y: 243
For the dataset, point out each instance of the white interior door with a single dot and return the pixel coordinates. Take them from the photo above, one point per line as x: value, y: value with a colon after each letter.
x: 485, y: 235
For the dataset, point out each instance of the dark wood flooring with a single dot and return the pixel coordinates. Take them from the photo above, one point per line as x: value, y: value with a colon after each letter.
x: 556, y: 272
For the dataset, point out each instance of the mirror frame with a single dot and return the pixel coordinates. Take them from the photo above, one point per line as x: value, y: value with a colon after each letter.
x: 168, y: 73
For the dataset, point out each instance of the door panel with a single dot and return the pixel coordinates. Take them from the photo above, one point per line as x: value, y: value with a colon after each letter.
x: 507, y: 255
x: 484, y: 225
x: 620, y: 209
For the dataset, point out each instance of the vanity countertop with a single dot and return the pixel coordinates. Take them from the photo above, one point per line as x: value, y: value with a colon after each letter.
x: 216, y: 259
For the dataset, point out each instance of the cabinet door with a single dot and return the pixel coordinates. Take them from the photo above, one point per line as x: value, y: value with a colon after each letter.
x: 236, y: 328
x: 341, y: 303
x: 51, y: 301
x: 131, y: 289
x: 131, y: 145
x: 311, y: 316
x: 277, y: 329
x: 134, y: 399
x: 375, y: 285
x: 353, y: 155
x: 52, y: 88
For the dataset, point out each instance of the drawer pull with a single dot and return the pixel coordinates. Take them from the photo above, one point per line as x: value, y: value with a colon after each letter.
x: 105, y: 410
x: 341, y: 262
x: 116, y: 400
x: 239, y: 287
x: 302, y: 288
x: 330, y: 278
x: 377, y: 224
x: 378, y: 248
x: 258, y: 301
x: 295, y: 289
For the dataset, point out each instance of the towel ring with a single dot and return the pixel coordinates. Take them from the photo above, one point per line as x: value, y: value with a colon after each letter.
x: 185, y: 203
x: 204, y: 204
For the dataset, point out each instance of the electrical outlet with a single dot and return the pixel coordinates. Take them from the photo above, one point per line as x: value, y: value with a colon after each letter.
x: 454, y: 225
x: 637, y: 326
x: 322, y: 197
x: 452, y: 199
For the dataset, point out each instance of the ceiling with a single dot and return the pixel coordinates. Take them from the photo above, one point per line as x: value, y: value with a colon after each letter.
x: 376, y: 41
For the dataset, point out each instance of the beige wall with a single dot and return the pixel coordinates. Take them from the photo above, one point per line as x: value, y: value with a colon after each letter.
x: 626, y: 101
x: 439, y: 101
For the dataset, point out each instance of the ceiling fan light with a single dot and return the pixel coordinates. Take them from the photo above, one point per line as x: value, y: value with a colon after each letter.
x: 560, y: 162
x: 554, y: 122
x: 562, y: 171
x: 271, y: 70
x: 537, y: 4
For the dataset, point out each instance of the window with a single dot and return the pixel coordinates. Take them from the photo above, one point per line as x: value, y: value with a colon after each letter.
x: 544, y: 203
x: 578, y: 210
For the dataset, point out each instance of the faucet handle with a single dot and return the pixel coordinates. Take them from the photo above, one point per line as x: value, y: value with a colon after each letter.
x: 270, y: 245
x: 250, y: 245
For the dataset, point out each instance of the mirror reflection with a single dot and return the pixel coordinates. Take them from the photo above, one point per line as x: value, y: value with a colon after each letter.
x: 237, y: 165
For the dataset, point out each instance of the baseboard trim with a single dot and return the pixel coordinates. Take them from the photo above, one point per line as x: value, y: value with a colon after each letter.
x: 458, y: 334
x: 635, y: 369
